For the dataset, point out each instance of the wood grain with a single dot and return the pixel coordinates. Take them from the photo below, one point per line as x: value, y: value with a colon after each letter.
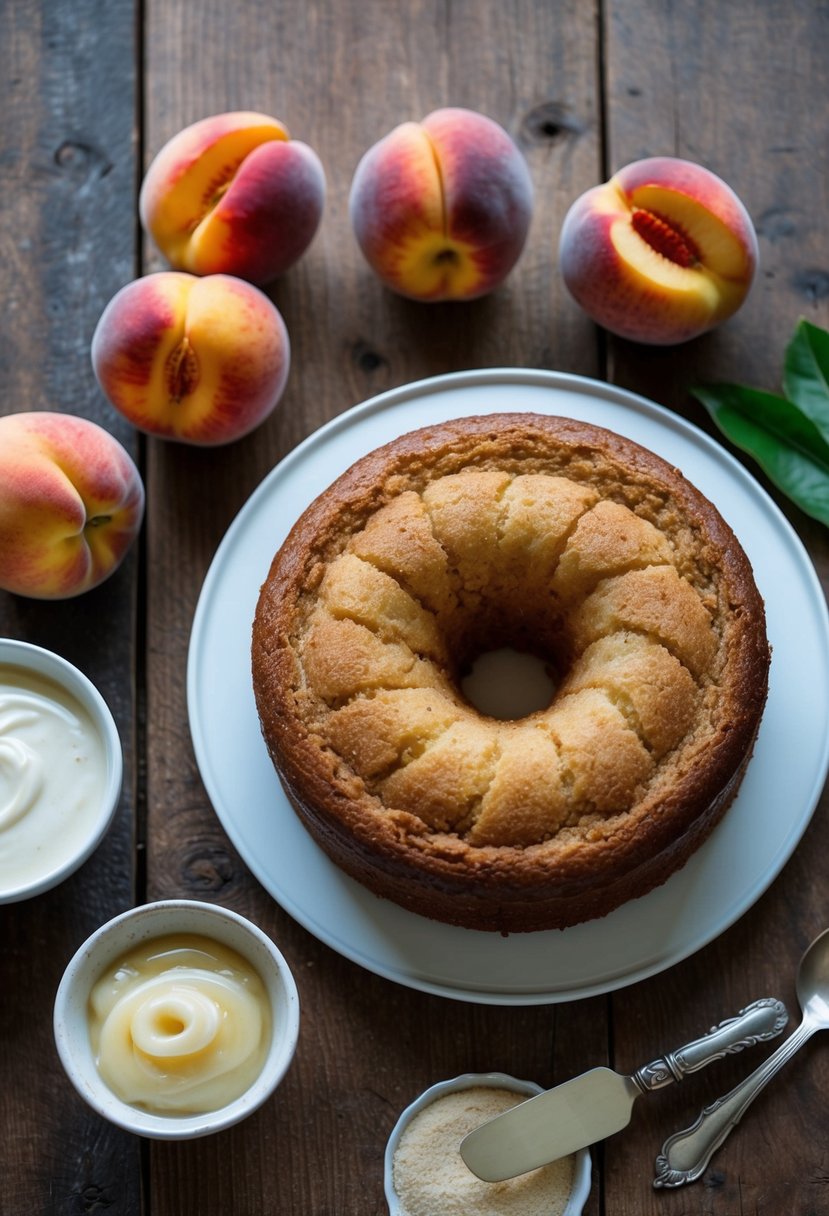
x: 584, y: 86
x: 367, y: 1046
x: 67, y: 242
x: 696, y: 81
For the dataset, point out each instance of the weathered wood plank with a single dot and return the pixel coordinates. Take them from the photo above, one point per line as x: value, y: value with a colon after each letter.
x: 340, y: 78
x: 734, y: 87
x: 67, y: 242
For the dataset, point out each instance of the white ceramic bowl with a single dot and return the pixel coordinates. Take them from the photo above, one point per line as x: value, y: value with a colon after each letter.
x: 124, y: 933
x: 48, y: 665
x: 469, y: 1080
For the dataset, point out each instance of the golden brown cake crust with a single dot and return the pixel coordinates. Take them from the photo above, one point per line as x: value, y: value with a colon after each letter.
x: 551, y: 535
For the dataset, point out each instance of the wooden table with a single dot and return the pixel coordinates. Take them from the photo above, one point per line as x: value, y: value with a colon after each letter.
x: 90, y: 92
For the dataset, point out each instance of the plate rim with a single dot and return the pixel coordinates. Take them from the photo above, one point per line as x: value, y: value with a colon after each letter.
x: 562, y: 381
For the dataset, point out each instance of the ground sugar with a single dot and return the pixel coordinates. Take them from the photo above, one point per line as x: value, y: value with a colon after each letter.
x: 430, y: 1176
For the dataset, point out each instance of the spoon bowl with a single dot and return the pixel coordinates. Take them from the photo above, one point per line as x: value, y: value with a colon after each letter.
x: 812, y: 985
x: 685, y: 1155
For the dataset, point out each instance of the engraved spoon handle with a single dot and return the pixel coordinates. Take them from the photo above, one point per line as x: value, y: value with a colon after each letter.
x: 685, y: 1154
x: 763, y: 1019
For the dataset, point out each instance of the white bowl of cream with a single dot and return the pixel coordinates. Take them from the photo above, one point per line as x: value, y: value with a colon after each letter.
x: 425, y: 1174
x: 61, y: 769
x: 177, y: 1019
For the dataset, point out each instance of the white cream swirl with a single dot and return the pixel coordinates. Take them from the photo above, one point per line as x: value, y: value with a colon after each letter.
x: 21, y: 768
x: 52, y: 776
x: 180, y: 1026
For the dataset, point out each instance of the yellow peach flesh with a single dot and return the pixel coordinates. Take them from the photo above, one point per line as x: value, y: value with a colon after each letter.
x: 710, y: 286
x: 649, y: 268
x: 205, y: 243
x: 186, y: 373
x: 193, y: 192
x: 202, y: 360
x: 139, y: 397
x: 186, y: 369
x: 659, y: 254
x: 212, y: 327
x: 433, y: 265
x: 721, y: 250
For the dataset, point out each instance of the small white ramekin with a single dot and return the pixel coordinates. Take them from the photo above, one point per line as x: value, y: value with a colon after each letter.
x: 470, y: 1080
x: 124, y: 933
x: 51, y: 666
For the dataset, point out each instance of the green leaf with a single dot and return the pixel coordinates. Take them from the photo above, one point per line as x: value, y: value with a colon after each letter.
x: 787, y: 445
x: 774, y: 414
x: 806, y: 373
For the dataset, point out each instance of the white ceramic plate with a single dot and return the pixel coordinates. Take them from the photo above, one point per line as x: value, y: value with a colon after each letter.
x: 721, y: 881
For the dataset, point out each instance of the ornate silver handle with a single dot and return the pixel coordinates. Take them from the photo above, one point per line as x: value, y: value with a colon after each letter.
x: 763, y: 1019
x: 685, y: 1155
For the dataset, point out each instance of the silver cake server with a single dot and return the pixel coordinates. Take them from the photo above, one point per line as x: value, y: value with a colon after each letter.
x: 599, y: 1103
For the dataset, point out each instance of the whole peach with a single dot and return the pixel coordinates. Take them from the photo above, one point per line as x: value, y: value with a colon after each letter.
x: 71, y: 504
x: 659, y: 254
x: 200, y: 360
x: 233, y: 194
x: 441, y: 209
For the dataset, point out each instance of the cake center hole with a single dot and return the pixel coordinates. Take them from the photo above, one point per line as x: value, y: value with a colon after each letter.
x: 508, y: 684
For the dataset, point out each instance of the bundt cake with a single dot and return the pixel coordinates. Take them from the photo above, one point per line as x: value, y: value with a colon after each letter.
x: 545, y: 535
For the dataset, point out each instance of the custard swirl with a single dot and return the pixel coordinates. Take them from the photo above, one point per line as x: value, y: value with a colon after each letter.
x: 180, y: 1026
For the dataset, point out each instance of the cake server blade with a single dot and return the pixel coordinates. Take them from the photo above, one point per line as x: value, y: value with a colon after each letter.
x: 600, y: 1102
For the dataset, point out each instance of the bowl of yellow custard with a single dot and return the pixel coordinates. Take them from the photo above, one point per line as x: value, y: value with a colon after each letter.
x: 60, y: 769
x: 177, y: 1019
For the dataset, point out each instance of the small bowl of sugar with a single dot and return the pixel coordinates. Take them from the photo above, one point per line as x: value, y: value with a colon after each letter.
x: 425, y: 1174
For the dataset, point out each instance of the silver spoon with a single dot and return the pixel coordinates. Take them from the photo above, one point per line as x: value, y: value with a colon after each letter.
x: 685, y: 1155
